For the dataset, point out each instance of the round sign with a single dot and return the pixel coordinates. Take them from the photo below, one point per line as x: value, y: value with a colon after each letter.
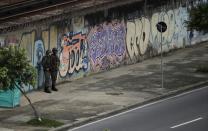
x: 161, y: 26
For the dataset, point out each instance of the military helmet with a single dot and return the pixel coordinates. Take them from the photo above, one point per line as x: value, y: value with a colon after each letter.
x: 48, y: 52
x: 54, y: 50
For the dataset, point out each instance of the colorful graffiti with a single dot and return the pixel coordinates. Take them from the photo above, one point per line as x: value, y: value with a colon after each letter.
x: 73, y: 56
x: 107, y: 45
x: 104, y: 45
x: 39, y: 52
x: 142, y: 33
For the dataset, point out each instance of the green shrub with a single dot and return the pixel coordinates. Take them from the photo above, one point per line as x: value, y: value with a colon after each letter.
x: 15, y: 68
x: 199, y: 18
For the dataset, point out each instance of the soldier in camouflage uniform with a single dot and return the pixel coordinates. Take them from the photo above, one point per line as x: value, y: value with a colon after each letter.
x: 46, y: 63
x: 55, y: 62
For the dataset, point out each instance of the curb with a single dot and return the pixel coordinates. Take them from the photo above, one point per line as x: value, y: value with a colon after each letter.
x: 107, y: 114
x: 6, y: 129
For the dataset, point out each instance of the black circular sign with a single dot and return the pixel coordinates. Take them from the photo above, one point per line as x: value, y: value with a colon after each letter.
x: 161, y: 26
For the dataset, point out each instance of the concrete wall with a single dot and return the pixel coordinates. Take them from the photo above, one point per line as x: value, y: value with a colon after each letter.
x: 103, y: 44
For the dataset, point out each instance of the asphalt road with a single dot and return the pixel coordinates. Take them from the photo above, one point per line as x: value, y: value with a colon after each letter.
x: 185, y: 112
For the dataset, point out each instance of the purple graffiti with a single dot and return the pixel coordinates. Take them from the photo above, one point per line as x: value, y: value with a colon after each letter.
x: 107, y: 40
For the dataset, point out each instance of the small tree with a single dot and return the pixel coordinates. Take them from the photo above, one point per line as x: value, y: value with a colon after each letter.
x: 199, y: 18
x: 16, y: 71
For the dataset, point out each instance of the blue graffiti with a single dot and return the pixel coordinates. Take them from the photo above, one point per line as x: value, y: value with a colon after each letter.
x: 107, y: 41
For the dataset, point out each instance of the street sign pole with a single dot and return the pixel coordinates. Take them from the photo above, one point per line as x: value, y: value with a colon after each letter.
x: 162, y: 78
x: 161, y: 27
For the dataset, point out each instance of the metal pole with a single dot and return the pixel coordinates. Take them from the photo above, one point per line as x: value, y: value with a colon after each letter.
x: 162, y: 83
x: 161, y: 31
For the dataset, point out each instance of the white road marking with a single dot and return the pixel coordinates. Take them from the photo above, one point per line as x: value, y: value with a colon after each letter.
x: 188, y: 122
x: 185, y: 93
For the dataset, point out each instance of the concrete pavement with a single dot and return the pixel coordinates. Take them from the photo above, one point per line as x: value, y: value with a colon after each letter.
x: 109, y: 92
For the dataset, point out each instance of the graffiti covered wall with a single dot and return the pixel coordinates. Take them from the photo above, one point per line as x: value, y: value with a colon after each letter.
x: 73, y: 49
x: 107, y: 47
x: 142, y: 33
x: 84, y: 48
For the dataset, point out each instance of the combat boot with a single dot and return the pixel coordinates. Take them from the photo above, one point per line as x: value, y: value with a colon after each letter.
x: 47, y: 90
x: 54, y: 88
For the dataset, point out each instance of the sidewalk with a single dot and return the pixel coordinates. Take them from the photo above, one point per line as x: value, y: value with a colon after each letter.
x: 112, y: 91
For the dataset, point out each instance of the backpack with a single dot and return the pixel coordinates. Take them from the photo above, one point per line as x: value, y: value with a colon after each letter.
x: 46, y: 62
x: 55, y: 62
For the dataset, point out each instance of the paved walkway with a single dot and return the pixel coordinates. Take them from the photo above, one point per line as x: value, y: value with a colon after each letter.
x: 111, y: 91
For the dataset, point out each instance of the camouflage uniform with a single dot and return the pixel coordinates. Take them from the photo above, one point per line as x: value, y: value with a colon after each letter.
x: 46, y: 63
x: 55, y: 62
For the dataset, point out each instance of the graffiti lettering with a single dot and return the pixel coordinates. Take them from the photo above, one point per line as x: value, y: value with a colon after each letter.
x: 73, y: 55
x: 137, y: 38
x: 141, y: 32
